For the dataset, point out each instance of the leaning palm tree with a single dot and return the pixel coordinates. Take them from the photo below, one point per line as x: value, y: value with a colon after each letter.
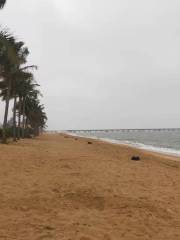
x: 8, y: 53
x: 18, y: 80
x: 2, y: 3
x: 26, y: 88
x: 8, y: 60
x: 12, y: 55
x: 21, y: 78
x: 36, y: 115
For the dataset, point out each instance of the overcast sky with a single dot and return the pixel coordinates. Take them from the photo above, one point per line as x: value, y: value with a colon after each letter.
x: 103, y: 63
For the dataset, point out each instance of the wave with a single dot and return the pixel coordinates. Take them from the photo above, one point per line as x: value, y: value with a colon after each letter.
x: 169, y: 151
x: 151, y: 148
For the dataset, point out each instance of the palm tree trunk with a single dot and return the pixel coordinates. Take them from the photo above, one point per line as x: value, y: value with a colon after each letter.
x: 14, y: 119
x: 36, y: 130
x: 26, y: 123
x: 27, y: 127
x: 23, y: 123
x: 19, y: 120
x: 4, y: 133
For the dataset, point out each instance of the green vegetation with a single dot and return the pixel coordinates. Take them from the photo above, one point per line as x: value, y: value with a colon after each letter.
x: 17, y: 84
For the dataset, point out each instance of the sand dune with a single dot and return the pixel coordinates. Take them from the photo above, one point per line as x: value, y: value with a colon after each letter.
x: 59, y: 187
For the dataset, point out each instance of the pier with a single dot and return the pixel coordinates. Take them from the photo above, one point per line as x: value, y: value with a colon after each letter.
x: 123, y: 130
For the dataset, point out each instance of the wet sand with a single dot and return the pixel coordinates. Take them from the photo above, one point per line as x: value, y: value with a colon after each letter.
x: 59, y: 187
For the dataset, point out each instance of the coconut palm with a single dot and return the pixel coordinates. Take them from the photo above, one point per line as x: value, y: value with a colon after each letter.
x: 25, y: 89
x: 36, y: 115
x: 20, y: 89
x: 17, y: 79
x: 18, y: 82
x: 8, y: 59
x: 12, y: 55
x: 8, y: 53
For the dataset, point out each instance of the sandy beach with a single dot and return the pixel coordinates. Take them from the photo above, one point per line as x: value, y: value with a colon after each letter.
x: 61, y: 187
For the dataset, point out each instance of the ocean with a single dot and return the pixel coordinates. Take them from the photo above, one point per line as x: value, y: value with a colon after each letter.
x: 164, y: 141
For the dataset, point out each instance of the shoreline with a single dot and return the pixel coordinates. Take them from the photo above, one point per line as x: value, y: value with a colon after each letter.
x: 133, y: 146
x: 59, y: 186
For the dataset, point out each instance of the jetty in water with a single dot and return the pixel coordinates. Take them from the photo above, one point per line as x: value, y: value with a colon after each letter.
x: 122, y: 130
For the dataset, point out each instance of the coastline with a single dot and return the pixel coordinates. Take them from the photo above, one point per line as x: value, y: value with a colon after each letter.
x: 60, y: 187
x: 175, y: 154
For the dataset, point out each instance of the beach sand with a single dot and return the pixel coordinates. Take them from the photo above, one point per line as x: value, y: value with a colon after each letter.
x: 60, y: 187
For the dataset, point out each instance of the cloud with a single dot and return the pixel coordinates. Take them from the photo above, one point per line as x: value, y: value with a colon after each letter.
x: 103, y: 62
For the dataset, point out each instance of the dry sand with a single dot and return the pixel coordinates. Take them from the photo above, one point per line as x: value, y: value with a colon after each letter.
x: 57, y: 187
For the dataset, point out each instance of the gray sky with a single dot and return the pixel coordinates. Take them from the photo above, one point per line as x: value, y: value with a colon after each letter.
x: 103, y: 63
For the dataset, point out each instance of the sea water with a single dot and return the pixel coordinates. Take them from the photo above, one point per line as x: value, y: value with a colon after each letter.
x: 165, y: 141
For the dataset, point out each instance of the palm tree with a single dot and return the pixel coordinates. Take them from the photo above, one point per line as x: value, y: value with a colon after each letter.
x: 8, y: 59
x: 2, y: 3
x: 24, y: 79
x: 35, y: 115
x: 25, y: 89
x: 12, y: 55
x: 23, y: 85
x: 8, y: 53
x: 18, y: 82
